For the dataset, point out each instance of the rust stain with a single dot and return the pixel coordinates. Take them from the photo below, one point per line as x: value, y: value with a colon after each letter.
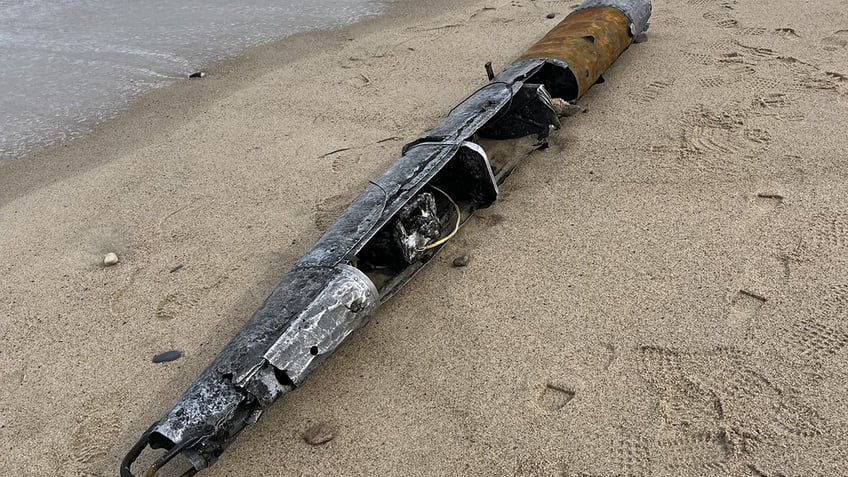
x: 588, y: 40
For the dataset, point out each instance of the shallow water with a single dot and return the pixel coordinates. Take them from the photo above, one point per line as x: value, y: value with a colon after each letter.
x: 66, y: 65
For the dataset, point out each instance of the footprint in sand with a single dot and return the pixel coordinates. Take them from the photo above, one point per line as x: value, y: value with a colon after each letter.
x: 768, y: 201
x: 344, y: 161
x: 695, y: 451
x: 555, y: 397
x: 727, y: 23
x: 711, y: 81
x: 715, y: 16
x: 653, y: 90
x: 704, y: 137
x: 836, y: 76
x: 837, y: 40
x: 786, y: 33
x: 166, y: 295
x: 758, y: 136
x: 696, y: 58
x: 662, y: 150
x: 823, y: 236
x: 621, y: 451
x: 534, y: 466
x: 95, y: 434
x: 772, y: 101
x: 174, y: 304
x: 750, y: 400
x: 835, y: 303
x: 813, y: 340
x: 769, y: 92
x: 745, y: 305
x: 631, y: 456
x: 821, y: 331
x: 329, y: 209
x: 701, y: 2
x: 720, y: 132
x: 749, y: 31
x: 490, y: 219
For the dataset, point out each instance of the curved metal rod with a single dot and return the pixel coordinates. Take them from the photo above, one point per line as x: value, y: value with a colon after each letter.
x: 138, y: 448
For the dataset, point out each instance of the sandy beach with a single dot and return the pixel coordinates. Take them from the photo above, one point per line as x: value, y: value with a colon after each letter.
x: 662, y: 292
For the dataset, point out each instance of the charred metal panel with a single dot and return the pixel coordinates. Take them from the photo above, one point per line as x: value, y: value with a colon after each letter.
x: 310, y: 313
x: 468, y: 177
x: 347, y: 302
x: 236, y: 383
x: 531, y: 112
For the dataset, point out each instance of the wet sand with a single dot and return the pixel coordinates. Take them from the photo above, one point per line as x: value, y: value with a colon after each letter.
x: 663, y: 291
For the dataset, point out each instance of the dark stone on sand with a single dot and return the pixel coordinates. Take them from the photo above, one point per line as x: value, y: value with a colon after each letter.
x: 551, y: 15
x: 461, y: 261
x: 167, y: 356
x: 198, y: 74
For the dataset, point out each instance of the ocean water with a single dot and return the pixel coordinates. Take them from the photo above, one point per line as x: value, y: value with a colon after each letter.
x: 67, y: 65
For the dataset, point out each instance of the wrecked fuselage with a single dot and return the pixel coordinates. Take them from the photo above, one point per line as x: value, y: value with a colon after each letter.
x: 387, y: 235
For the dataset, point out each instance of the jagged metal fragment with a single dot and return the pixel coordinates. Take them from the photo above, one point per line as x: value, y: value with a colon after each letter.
x: 387, y: 235
x: 347, y: 302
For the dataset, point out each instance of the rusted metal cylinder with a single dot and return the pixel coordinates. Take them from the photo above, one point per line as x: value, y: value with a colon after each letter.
x: 581, y: 48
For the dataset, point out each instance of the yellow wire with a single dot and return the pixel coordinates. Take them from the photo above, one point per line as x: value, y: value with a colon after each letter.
x: 455, y: 229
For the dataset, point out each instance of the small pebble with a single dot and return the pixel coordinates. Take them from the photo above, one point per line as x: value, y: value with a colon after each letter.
x: 460, y: 261
x: 167, y: 356
x: 551, y: 15
x: 198, y: 74
x: 110, y: 259
x: 318, y: 434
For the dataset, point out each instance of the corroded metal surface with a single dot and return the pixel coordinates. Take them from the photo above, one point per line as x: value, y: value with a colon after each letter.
x: 637, y: 11
x: 585, y: 43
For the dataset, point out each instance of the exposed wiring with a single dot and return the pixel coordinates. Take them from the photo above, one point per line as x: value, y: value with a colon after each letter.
x: 456, y: 227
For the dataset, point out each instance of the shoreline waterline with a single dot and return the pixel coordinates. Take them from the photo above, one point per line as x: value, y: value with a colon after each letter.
x: 147, y: 116
x: 72, y: 64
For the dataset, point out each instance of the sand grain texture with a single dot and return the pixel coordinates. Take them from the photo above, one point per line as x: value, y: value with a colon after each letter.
x: 662, y: 292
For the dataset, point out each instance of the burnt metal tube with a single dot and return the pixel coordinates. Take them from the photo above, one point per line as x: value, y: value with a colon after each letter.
x: 386, y: 236
x: 586, y: 43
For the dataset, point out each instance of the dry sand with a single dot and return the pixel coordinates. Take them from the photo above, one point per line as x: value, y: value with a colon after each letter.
x: 662, y: 292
